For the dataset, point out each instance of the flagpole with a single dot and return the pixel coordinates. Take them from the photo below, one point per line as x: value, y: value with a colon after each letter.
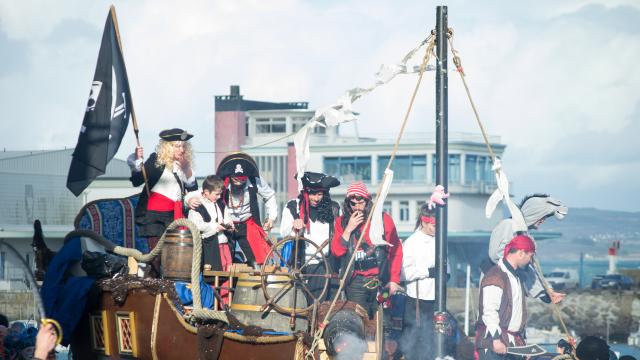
x: 136, y: 131
x: 442, y: 175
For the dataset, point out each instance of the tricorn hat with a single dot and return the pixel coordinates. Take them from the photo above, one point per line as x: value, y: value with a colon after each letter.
x: 318, y: 181
x: 238, y: 164
x: 175, y: 134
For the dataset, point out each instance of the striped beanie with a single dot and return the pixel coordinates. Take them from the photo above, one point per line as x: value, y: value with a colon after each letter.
x: 358, y: 189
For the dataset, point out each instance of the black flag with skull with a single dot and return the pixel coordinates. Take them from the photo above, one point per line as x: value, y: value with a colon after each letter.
x: 107, y: 114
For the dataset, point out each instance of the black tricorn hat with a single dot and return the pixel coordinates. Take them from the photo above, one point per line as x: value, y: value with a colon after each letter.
x: 320, y: 181
x: 175, y: 134
x: 238, y: 164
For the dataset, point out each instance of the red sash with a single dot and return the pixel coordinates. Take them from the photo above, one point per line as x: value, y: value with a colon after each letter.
x: 159, y: 202
x: 256, y: 239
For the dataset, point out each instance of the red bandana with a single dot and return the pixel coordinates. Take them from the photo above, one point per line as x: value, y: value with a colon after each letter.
x: 428, y: 219
x: 520, y: 242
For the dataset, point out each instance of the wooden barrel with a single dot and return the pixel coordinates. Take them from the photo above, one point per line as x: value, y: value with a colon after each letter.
x: 177, y: 255
x: 248, y: 299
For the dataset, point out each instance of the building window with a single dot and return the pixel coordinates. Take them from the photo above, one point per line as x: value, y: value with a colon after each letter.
x: 454, y: 168
x: 271, y: 125
x: 297, y: 123
x: 349, y: 168
x: 2, y: 273
x: 388, y: 208
x: 320, y: 130
x: 484, y: 166
x: 404, y: 211
x: 471, y: 169
x: 246, y: 126
x: 406, y: 168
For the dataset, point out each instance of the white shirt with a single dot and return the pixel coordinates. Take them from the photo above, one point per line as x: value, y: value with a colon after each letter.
x: 418, y: 255
x: 240, y: 209
x: 210, y: 228
x: 318, y: 232
x: 491, y: 299
x: 167, y: 184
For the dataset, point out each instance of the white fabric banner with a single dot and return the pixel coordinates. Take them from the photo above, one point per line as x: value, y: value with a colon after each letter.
x: 342, y: 110
x: 376, y: 229
x: 502, y: 194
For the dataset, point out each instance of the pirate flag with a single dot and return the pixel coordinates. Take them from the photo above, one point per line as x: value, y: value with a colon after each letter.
x: 107, y: 114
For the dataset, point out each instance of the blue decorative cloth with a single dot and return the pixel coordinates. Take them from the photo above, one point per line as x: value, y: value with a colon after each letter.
x: 286, y: 252
x: 186, y: 297
x: 115, y: 220
x: 64, y: 299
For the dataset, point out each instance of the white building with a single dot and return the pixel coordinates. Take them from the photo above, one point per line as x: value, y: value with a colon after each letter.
x: 33, y: 186
x: 260, y: 128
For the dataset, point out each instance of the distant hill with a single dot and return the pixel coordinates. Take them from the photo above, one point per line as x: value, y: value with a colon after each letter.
x: 592, y: 231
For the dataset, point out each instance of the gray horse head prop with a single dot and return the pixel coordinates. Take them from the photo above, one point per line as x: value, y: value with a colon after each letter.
x: 541, y: 206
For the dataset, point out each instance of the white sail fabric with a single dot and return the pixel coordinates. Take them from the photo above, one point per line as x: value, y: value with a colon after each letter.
x: 376, y: 229
x: 342, y: 110
x: 502, y: 194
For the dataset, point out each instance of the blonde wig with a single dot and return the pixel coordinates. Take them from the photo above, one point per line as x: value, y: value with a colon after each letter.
x: 165, y: 153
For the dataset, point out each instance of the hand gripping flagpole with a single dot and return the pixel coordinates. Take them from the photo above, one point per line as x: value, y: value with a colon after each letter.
x: 112, y: 9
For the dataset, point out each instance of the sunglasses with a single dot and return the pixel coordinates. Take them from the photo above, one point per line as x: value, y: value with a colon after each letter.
x: 357, y: 200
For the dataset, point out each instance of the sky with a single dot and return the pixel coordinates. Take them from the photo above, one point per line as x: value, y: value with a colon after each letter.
x: 556, y: 80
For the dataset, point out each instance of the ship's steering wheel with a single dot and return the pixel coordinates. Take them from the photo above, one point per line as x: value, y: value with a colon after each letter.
x: 289, y: 266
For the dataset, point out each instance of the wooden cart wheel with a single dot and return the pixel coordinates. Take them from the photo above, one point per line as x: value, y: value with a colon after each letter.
x: 279, y: 269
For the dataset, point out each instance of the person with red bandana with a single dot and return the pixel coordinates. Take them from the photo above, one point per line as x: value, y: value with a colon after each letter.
x: 243, y: 184
x: 373, y: 264
x: 502, y: 307
x: 171, y: 182
x: 418, y: 272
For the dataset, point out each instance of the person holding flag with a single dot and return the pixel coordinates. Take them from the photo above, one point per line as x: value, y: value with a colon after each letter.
x: 171, y: 183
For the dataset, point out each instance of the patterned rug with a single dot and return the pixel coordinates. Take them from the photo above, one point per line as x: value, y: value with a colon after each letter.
x: 114, y: 219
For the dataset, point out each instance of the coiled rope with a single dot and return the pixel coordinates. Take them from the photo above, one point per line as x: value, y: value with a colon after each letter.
x: 198, y: 312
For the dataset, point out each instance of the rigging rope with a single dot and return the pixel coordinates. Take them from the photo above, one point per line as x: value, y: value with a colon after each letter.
x: 429, y: 51
x: 248, y: 147
x: 458, y: 63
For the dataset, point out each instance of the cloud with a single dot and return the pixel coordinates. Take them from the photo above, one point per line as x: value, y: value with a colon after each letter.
x: 557, y: 81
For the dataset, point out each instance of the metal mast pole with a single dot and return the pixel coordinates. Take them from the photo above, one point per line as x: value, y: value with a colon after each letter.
x: 442, y: 175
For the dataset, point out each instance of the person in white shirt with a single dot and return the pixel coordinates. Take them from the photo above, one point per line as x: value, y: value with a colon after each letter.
x: 171, y: 184
x: 311, y: 215
x: 535, y: 210
x: 243, y: 185
x: 418, y: 273
x: 211, y: 222
x: 502, y: 306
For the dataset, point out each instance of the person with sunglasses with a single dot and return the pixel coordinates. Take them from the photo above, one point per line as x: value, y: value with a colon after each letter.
x: 243, y: 185
x: 374, y: 266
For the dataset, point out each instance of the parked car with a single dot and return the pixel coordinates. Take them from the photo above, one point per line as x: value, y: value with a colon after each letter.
x: 615, y: 281
x: 595, y: 281
x: 562, y: 279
